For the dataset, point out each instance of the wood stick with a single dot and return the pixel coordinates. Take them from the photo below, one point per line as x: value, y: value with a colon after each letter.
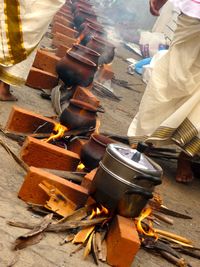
x: 60, y: 227
x: 173, y: 236
x: 163, y: 218
x: 178, y: 262
x: 190, y: 253
x: 66, y: 175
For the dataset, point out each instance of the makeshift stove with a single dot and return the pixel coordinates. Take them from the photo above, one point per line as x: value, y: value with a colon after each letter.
x: 106, y: 210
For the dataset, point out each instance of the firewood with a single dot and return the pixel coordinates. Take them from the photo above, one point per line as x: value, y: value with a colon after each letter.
x: 83, y: 235
x: 67, y: 239
x: 163, y: 218
x: 88, y: 246
x: 60, y: 227
x: 66, y: 175
x: 104, y: 250
x: 77, y: 215
x: 173, y: 236
x: 178, y: 262
x: 189, y: 252
x: 94, y: 249
x: 174, y: 241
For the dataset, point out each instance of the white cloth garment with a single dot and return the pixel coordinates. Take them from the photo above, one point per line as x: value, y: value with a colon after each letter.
x: 188, y: 7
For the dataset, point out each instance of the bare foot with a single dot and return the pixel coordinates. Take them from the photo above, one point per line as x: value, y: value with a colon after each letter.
x: 5, y: 94
x: 184, y: 169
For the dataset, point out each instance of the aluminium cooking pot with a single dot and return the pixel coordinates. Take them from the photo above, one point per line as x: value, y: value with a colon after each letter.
x: 132, y: 165
x: 118, y: 194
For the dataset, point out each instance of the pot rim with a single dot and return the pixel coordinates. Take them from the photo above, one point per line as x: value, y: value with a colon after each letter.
x: 86, y: 11
x: 95, y: 29
x: 93, y: 136
x: 103, y: 42
x: 94, y: 23
x: 131, y: 167
x: 86, y: 49
x: 80, y: 58
x: 83, y: 105
x: 121, y: 180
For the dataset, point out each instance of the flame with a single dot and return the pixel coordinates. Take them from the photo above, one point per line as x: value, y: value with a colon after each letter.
x: 150, y: 232
x: 99, y: 211
x: 80, y: 38
x: 59, y: 130
x: 80, y: 167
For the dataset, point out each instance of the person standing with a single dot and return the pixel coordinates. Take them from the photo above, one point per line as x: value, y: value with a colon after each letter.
x: 169, y: 111
x: 22, y: 25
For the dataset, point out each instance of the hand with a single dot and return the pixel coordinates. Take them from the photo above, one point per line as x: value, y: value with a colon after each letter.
x: 155, y: 6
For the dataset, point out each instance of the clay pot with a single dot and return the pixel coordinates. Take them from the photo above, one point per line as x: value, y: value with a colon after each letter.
x: 90, y: 31
x: 104, y: 48
x: 94, y: 150
x: 91, y: 22
x: 84, y: 5
x: 74, y: 69
x: 81, y: 15
x: 86, y: 52
x: 79, y: 115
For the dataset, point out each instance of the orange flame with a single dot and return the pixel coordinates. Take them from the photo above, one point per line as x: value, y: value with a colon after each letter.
x: 81, y: 166
x: 99, y: 211
x: 150, y: 232
x: 80, y: 38
x: 59, y: 130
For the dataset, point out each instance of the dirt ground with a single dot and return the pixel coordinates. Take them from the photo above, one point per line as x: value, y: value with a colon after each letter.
x: 48, y: 253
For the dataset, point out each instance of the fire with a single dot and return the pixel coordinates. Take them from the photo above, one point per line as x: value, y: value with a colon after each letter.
x: 80, y: 38
x: 149, y: 231
x: 80, y: 167
x: 59, y: 130
x: 99, y: 211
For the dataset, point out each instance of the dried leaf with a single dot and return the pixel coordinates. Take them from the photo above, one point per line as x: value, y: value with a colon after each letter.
x: 67, y: 239
x: 22, y: 242
x: 34, y: 236
x: 88, y: 246
x: 83, y: 235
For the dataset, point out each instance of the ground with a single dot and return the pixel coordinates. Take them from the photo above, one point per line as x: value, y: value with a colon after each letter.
x: 48, y: 253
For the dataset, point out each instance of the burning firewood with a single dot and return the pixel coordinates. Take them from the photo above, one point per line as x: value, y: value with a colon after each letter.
x: 83, y: 235
x: 77, y: 215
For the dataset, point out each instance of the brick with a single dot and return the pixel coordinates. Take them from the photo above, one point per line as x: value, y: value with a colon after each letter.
x: 85, y: 95
x: 46, y: 61
x: 32, y: 193
x: 87, y: 180
x: 61, y: 39
x: 40, y: 79
x: 24, y: 121
x: 76, y: 145
x: 105, y: 73
x: 41, y: 154
x: 65, y: 15
x: 123, y: 242
x: 58, y: 27
x: 62, y: 20
x: 61, y: 51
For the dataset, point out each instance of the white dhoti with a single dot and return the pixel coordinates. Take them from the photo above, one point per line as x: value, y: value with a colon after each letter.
x: 22, y: 25
x: 170, y: 108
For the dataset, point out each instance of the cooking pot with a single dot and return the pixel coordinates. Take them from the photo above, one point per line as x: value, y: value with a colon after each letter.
x: 132, y: 165
x: 119, y: 195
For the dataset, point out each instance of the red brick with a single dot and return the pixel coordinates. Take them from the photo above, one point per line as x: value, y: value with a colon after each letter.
x: 85, y: 95
x: 41, y: 154
x: 65, y: 15
x: 61, y: 51
x: 46, y: 61
x: 62, y: 20
x: 58, y: 27
x: 123, y: 242
x: 61, y: 39
x: 32, y: 193
x: 76, y: 145
x: 105, y: 73
x: 40, y: 79
x: 87, y: 180
x: 24, y: 121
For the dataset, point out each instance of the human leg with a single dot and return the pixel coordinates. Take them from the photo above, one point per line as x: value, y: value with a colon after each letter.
x: 5, y: 94
x: 184, y: 169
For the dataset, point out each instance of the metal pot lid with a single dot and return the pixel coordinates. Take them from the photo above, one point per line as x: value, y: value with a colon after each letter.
x: 134, y: 158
